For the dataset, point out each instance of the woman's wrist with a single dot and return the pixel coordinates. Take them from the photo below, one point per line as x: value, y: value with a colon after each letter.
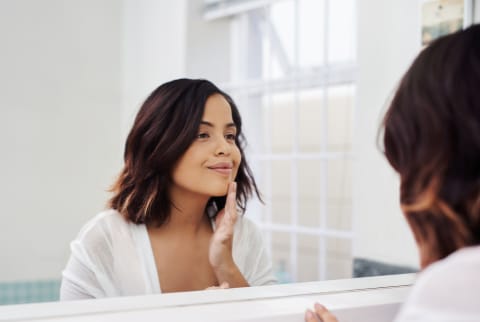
x: 229, y: 272
x: 225, y: 268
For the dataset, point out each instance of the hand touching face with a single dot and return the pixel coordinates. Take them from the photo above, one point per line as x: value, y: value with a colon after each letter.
x: 220, y: 252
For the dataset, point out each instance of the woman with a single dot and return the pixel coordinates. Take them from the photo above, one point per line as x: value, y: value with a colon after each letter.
x: 172, y: 223
x: 432, y: 139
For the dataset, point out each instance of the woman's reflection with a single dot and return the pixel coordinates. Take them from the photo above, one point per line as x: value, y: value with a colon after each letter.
x: 173, y: 220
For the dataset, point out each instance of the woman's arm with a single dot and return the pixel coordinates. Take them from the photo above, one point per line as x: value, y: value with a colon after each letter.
x: 88, y: 273
x: 79, y: 280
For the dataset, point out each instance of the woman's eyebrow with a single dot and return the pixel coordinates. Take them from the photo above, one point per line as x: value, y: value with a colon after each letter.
x: 228, y: 125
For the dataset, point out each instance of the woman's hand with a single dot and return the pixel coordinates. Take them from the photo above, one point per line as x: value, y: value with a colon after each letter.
x: 321, y: 313
x: 222, y: 286
x: 220, y: 252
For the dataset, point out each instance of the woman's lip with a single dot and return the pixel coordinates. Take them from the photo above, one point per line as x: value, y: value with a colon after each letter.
x: 224, y: 165
x: 224, y: 171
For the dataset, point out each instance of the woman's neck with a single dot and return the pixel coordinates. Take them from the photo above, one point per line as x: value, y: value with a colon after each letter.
x: 187, y: 215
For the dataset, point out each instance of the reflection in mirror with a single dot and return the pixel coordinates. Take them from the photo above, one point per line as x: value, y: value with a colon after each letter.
x: 310, y: 78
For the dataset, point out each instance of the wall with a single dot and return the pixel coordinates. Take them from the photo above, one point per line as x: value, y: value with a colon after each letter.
x: 73, y: 74
x: 388, y: 40
x: 207, y: 45
x: 59, y: 104
x: 153, y: 50
x: 476, y: 11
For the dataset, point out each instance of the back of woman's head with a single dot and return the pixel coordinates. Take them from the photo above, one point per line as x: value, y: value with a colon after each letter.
x: 164, y: 128
x: 432, y: 139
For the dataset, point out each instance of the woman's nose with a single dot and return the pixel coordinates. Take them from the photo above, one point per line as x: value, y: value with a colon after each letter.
x: 223, y: 147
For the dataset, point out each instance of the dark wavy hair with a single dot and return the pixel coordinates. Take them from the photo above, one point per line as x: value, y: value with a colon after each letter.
x: 164, y: 128
x: 431, y: 137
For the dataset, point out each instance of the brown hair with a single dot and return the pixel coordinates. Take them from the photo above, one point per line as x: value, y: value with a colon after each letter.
x: 432, y: 139
x: 164, y: 128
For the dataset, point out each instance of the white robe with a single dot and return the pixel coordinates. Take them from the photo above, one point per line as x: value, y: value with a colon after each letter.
x: 448, y: 290
x: 113, y: 257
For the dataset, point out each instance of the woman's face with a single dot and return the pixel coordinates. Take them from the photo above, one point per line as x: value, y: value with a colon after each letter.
x: 212, y: 160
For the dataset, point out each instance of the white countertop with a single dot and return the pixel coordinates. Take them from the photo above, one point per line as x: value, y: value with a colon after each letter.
x: 372, y: 298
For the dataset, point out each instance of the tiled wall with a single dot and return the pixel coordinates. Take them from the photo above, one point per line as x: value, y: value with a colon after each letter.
x: 29, y: 291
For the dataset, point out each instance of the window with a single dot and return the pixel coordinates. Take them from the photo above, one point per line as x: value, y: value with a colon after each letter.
x: 293, y: 78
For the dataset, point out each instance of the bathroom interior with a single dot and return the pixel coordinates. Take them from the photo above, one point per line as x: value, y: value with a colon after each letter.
x: 311, y: 78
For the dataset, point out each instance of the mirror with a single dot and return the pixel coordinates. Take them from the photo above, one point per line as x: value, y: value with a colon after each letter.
x: 311, y: 92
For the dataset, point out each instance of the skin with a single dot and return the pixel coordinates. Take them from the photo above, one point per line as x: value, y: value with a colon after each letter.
x: 206, y: 169
x: 320, y: 314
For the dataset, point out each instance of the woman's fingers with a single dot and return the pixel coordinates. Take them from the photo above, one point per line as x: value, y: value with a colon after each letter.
x: 222, y: 286
x: 220, y: 252
x: 219, y: 218
x: 231, y: 204
x: 321, y: 313
x: 310, y: 316
x: 226, y: 218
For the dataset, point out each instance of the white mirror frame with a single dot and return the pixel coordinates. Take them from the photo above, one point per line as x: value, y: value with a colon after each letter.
x: 373, y: 299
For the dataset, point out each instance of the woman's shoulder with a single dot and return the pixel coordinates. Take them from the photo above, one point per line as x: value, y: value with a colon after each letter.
x: 449, y: 286
x: 247, y: 228
x: 104, y: 223
x: 458, y: 269
x: 246, y: 223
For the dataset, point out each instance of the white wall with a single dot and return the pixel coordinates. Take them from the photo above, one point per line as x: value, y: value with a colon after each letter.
x: 59, y: 114
x: 73, y: 74
x: 476, y: 11
x: 165, y: 40
x: 388, y: 40
x: 153, y: 50
x: 207, y: 45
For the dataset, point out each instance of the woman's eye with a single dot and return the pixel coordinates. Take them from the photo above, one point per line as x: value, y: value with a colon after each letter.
x: 202, y: 136
x: 230, y: 137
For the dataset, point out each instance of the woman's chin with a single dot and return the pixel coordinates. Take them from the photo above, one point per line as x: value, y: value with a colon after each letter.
x: 219, y: 190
